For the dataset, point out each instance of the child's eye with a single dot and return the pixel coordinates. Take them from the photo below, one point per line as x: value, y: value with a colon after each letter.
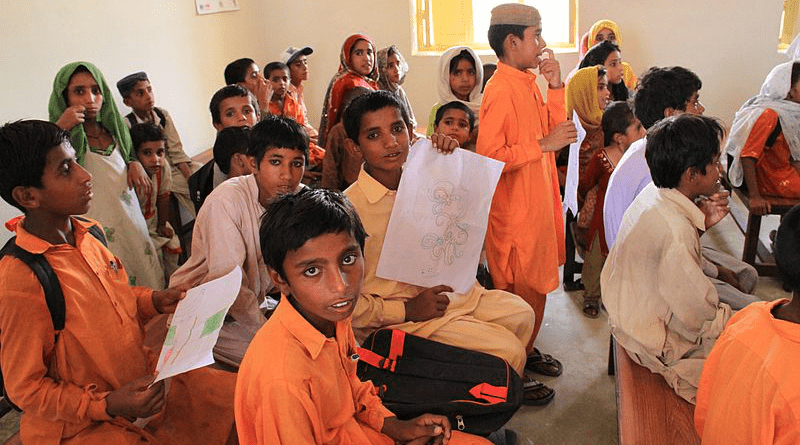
x: 311, y: 271
x: 349, y: 259
x: 275, y: 162
x: 398, y: 128
x: 247, y: 110
x: 372, y: 135
x: 78, y: 91
x: 96, y: 91
x: 229, y: 113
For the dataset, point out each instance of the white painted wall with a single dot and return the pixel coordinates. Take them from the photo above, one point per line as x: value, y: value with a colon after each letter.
x: 730, y: 44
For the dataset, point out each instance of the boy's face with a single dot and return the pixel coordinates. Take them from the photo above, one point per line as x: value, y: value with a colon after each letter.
x: 280, y: 82
x: 709, y: 183
x: 141, y: 99
x: 278, y: 173
x: 299, y: 69
x: 463, y: 79
x: 252, y: 77
x: 82, y: 89
x: 235, y: 112
x: 531, y: 46
x: 66, y: 186
x: 362, y: 58
x: 455, y: 123
x: 151, y: 155
x: 324, y: 278
x: 383, y: 141
x: 633, y: 133
x: 693, y: 105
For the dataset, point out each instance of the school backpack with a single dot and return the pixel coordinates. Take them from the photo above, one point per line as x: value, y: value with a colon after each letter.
x: 50, y: 285
x: 478, y: 392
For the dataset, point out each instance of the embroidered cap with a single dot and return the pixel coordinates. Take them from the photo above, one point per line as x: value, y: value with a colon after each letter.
x: 515, y: 14
x: 126, y: 84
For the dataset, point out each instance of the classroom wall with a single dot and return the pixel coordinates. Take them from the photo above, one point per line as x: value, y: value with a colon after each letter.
x: 730, y: 44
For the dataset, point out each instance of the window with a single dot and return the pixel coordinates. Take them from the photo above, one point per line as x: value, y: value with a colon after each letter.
x: 790, y: 12
x: 441, y: 24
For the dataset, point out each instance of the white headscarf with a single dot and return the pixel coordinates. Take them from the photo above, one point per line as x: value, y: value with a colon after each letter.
x: 446, y: 94
x: 773, y: 96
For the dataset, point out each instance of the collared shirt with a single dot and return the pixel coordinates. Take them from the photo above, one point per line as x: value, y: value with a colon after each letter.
x: 296, y: 386
x: 61, y: 386
x: 525, y: 235
x: 661, y: 307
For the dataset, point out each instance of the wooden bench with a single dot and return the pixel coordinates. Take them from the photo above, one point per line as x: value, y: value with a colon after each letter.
x: 648, y: 410
x: 779, y: 206
x: 13, y: 440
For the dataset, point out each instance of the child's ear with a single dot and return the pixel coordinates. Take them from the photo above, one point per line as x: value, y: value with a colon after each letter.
x: 26, y: 197
x: 669, y: 111
x: 509, y: 43
x: 351, y: 146
x: 252, y: 161
x: 218, y: 126
x: 276, y: 278
x: 127, y: 101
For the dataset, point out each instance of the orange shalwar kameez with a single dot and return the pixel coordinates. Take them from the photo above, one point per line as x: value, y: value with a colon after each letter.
x: 525, y: 237
x: 774, y: 170
x: 293, y: 109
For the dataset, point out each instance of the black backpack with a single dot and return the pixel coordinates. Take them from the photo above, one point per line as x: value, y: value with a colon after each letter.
x: 131, y: 117
x: 478, y: 392
x: 50, y: 284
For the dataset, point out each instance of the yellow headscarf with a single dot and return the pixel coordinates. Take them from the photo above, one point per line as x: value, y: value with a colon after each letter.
x: 581, y: 96
x: 599, y: 25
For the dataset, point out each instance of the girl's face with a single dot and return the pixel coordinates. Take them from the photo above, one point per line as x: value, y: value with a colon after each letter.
x: 605, y: 34
x: 393, y: 69
x: 614, y: 67
x: 603, y: 93
x: 794, y: 93
x: 463, y: 79
x: 82, y: 89
x: 362, y: 58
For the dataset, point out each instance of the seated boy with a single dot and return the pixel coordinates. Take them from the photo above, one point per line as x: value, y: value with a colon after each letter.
x: 749, y: 392
x: 661, y: 307
x: 87, y: 383
x: 456, y: 120
x: 226, y: 229
x: 231, y: 106
x: 245, y: 72
x: 495, y: 322
x: 149, y: 146
x: 297, y: 61
x: 285, y: 104
x: 341, y: 166
x: 298, y: 383
x: 137, y: 93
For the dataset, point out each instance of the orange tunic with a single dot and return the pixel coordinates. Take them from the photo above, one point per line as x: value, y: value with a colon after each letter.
x: 525, y: 237
x: 61, y: 387
x: 749, y: 392
x: 775, y: 173
x: 293, y: 109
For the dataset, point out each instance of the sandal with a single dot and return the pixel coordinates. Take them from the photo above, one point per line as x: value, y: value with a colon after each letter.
x: 536, y: 393
x: 591, y: 307
x: 543, y: 364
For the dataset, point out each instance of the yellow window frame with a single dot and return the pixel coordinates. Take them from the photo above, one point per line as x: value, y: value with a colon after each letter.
x: 788, y: 21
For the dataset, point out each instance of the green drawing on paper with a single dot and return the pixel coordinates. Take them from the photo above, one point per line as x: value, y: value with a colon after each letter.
x: 213, y: 323
x: 170, y: 335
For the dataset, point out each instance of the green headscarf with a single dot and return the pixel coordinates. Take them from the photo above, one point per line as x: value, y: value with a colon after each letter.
x: 109, y: 116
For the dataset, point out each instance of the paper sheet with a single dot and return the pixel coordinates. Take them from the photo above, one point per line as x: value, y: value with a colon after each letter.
x: 195, y: 326
x: 571, y: 186
x: 438, y: 222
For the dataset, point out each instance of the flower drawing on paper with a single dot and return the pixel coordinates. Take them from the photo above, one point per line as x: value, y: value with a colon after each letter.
x: 448, y: 208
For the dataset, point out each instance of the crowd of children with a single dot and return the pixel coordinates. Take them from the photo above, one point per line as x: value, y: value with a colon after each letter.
x: 270, y: 201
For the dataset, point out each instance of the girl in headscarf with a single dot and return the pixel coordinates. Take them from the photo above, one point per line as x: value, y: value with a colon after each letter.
x: 608, y: 55
x: 603, y: 30
x: 82, y: 104
x: 461, y: 79
x: 357, y: 68
x: 393, y: 69
x: 765, y: 139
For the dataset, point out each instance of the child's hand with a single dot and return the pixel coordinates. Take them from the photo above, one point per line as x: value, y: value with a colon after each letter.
x: 562, y: 135
x: 164, y: 230
x: 715, y: 207
x: 550, y: 69
x: 165, y: 301
x: 430, y: 303
x: 425, y: 429
x: 71, y: 117
x: 443, y: 143
x: 185, y: 168
x: 138, y: 178
x: 263, y: 92
x: 136, y: 400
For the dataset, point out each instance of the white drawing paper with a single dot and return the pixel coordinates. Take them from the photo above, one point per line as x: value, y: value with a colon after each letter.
x: 438, y: 222
x: 195, y: 325
x: 571, y: 185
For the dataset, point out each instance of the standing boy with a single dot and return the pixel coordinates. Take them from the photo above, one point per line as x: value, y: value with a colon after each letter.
x: 525, y: 236
x: 226, y: 229
x: 297, y: 61
x: 661, y: 307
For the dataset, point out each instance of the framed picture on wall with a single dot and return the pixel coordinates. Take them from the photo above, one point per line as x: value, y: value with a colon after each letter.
x: 212, y: 6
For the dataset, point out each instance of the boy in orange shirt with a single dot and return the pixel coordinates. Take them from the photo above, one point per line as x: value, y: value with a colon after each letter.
x: 525, y: 237
x: 297, y: 383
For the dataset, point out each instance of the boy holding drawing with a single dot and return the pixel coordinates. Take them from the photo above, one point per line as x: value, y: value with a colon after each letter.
x: 494, y: 322
x: 86, y: 383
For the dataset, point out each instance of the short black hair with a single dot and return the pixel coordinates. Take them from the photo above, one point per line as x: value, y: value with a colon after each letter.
x: 272, y: 66
x: 222, y: 94
x: 498, y: 34
x: 597, y: 55
x: 230, y: 141
x: 236, y: 70
x: 662, y: 88
x: 795, y: 74
x: 681, y: 142
x: 617, y: 117
x: 462, y: 55
x: 146, y: 132
x: 372, y: 101
x: 276, y: 132
x: 787, y: 249
x: 293, y: 219
x: 24, y: 146
x: 458, y: 105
